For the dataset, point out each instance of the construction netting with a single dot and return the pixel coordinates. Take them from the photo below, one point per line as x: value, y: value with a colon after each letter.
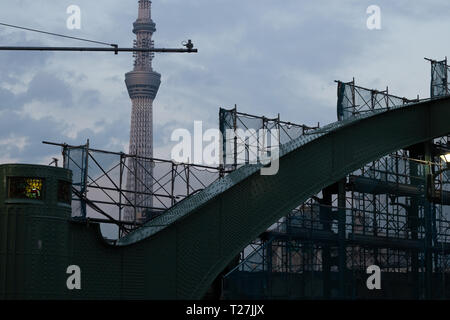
x: 354, y: 100
x: 439, y: 78
x: 75, y: 159
x: 248, y: 138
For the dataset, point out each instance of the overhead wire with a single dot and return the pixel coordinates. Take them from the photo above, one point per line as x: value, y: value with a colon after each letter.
x: 57, y: 34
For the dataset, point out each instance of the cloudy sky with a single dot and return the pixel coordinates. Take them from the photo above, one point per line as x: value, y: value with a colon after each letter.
x: 266, y: 56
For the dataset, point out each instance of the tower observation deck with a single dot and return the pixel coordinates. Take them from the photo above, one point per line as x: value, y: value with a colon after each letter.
x: 142, y: 84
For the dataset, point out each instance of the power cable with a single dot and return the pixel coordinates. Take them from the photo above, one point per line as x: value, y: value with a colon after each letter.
x: 56, y: 34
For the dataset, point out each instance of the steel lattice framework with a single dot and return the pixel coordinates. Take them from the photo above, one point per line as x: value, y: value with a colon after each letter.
x: 142, y: 84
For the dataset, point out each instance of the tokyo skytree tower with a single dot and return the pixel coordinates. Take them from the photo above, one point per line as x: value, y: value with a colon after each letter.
x: 142, y: 84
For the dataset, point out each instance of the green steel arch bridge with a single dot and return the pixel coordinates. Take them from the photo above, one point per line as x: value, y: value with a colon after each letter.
x: 179, y: 254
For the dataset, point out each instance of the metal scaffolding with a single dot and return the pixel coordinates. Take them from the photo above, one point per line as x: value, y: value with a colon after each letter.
x: 354, y: 100
x: 247, y: 142
x: 393, y: 213
x: 99, y: 185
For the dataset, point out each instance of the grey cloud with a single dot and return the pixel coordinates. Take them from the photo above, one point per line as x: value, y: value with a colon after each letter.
x: 46, y: 87
x: 90, y: 98
x: 35, y: 130
x: 15, y: 63
x: 244, y: 57
x: 162, y: 133
x: 47, y: 129
x: 414, y: 9
x: 7, y: 99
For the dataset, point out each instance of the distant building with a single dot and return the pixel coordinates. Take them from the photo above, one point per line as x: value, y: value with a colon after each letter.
x: 142, y: 84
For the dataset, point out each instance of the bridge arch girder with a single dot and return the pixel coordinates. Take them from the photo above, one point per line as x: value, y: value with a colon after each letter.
x: 182, y: 259
x: 243, y: 212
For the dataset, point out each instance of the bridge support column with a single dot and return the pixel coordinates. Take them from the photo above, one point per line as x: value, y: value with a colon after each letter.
x: 326, y: 218
x: 413, y: 220
x: 342, y: 238
x: 428, y: 226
